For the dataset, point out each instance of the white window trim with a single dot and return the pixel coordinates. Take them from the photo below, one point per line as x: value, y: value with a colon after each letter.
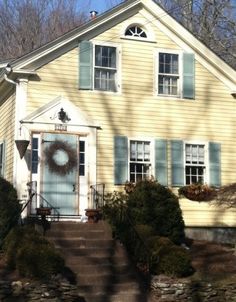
x: 206, y: 153
x: 156, y: 70
x: 118, y: 66
x: 145, y: 26
x: 152, y: 153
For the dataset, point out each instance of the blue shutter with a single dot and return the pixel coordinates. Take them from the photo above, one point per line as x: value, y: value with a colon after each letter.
x: 177, y: 163
x: 121, y: 159
x: 86, y: 65
x: 161, y: 161
x: 215, y: 164
x: 188, y: 76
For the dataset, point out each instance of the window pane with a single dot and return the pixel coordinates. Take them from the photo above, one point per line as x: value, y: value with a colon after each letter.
x: 35, y: 143
x: 81, y: 170
x: 82, y: 146
x: 81, y: 158
x: 105, y: 56
x: 105, y: 80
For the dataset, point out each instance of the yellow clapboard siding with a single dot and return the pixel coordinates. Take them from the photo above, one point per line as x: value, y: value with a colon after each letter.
x: 138, y: 112
x: 7, y: 114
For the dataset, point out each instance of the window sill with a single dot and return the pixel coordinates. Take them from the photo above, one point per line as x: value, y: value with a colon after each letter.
x: 102, y: 92
x: 173, y: 98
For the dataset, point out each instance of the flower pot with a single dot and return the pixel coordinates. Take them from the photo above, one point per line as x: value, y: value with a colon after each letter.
x: 43, y: 211
x: 93, y: 215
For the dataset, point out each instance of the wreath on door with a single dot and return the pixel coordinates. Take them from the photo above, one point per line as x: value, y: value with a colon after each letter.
x: 50, y: 158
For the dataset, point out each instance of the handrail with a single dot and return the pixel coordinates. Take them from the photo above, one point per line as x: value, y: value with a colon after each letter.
x: 135, y: 241
x: 97, y: 195
x: 43, y: 201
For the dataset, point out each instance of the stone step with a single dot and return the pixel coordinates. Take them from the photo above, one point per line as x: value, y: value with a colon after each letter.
x: 99, y: 264
x: 100, y: 260
x: 91, y: 234
x: 78, y: 226
x: 96, y: 289
x: 82, y: 243
x: 128, y: 280
x: 97, y: 269
x: 86, y: 252
x: 116, y: 298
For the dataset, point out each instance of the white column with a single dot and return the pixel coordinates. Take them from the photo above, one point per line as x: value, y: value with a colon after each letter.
x: 21, y: 172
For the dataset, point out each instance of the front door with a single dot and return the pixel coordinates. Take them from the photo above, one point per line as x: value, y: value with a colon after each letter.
x: 60, y: 172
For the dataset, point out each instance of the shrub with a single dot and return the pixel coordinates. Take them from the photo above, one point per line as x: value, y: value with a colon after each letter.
x: 9, y: 206
x: 153, y: 204
x: 145, y: 231
x: 31, y: 254
x: 168, y: 258
x: 40, y: 261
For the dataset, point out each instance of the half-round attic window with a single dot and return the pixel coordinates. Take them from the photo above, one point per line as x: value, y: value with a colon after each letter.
x: 135, y: 31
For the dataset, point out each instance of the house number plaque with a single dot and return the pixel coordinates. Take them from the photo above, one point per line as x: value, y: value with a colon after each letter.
x: 60, y: 127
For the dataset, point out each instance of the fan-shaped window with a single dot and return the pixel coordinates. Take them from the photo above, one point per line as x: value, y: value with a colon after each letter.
x: 135, y: 31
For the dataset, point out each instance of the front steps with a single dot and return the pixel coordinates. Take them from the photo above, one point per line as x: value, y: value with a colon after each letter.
x: 99, y: 264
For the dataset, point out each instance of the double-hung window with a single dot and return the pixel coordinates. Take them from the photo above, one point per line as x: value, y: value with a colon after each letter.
x: 168, y: 74
x: 105, y: 68
x: 175, y: 74
x: 139, y: 160
x: 98, y: 66
x: 195, y: 163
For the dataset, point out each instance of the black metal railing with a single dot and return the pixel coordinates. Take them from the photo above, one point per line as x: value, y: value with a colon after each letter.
x: 129, y: 236
x: 36, y: 199
x: 97, y: 195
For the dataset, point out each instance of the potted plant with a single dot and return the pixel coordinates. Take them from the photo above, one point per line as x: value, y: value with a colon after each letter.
x: 198, y: 192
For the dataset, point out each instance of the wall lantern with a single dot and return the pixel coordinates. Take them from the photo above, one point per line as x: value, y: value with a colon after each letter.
x: 62, y: 116
x: 21, y: 145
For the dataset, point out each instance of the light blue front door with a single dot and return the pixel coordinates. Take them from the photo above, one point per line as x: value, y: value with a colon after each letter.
x: 60, y: 172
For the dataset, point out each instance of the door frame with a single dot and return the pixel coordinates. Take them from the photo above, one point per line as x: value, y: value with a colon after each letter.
x: 81, y: 201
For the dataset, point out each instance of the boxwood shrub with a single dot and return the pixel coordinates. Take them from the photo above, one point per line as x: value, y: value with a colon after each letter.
x: 31, y: 254
x: 9, y: 207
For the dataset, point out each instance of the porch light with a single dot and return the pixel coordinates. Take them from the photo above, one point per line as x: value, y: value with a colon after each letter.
x: 62, y: 116
x: 21, y: 145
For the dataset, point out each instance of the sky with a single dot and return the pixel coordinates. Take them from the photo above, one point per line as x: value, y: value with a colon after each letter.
x: 98, y: 5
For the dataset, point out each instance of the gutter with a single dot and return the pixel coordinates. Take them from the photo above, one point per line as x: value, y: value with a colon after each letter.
x: 7, y: 70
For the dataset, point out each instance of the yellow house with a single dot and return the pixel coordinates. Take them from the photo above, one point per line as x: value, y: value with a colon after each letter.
x: 129, y: 95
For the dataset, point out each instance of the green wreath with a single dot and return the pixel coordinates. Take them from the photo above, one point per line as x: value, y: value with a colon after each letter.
x: 53, y: 166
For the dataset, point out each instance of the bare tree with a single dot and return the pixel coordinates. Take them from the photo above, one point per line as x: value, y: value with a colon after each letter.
x: 226, y: 196
x: 212, y: 21
x: 28, y: 24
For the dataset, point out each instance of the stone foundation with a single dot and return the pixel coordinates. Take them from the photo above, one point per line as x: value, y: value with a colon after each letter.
x: 220, y: 235
x: 54, y: 291
x: 165, y: 289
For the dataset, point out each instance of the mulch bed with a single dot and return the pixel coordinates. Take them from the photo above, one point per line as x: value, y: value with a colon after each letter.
x: 213, y: 260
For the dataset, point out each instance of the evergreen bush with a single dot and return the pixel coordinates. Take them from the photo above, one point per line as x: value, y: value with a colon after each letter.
x: 31, y: 254
x: 168, y: 258
x: 153, y: 204
x: 148, y: 220
x: 9, y: 207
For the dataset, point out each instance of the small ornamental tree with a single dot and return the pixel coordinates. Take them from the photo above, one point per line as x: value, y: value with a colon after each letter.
x: 152, y: 204
x: 9, y: 206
